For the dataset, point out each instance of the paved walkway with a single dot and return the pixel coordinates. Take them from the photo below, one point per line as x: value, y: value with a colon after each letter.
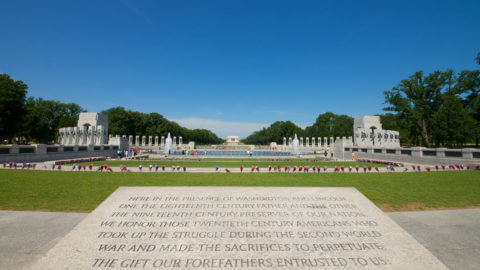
x: 25, y: 235
x: 453, y: 236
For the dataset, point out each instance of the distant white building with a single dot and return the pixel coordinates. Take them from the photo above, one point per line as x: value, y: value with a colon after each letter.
x: 233, y: 140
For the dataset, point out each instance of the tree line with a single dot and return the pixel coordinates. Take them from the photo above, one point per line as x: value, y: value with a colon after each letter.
x: 38, y: 120
x: 127, y: 122
x: 326, y: 125
x: 437, y: 109
x: 31, y: 119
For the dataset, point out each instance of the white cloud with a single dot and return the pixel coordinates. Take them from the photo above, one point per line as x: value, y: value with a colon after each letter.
x: 221, y: 128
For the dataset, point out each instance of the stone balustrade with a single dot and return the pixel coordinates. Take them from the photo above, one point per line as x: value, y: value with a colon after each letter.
x: 43, y: 152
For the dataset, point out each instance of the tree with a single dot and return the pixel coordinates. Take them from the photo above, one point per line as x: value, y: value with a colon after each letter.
x: 43, y: 118
x: 12, y: 106
x: 330, y: 125
x: 417, y: 98
x: 468, y: 86
x: 323, y: 125
x: 453, y: 124
x: 343, y: 126
x: 274, y: 133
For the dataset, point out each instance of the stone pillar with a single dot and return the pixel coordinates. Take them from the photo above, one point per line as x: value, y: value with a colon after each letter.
x: 83, y: 138
x: 144, y: 140
x: 417, y: 154
x: 41, y: 149
x: 137, y: 140
x: 378, y: 139
x: 156, y: 140
x: 441, y: 152
x: 130, y: 140
x: 332, y: 141
x: 370, y: 152
x: 149, y: 140
x: 92, y: 133
x: 66, y: 134
x: 325, y: 140
x: 301, y: 141
x: 104, y: 134
x: 307, y: 141
x: 71, y: 132
x: 313, y: 141
x: 88, y: 130
x: 14, y: 149
x: 174, y: 142
x: 76, y: 135
x: 319, y: 142
x: 180, y: 140
x: 289, y: 141
x: 101, y: 137
x: 467, y: 153
x: 59, y: 136
x: 162, y: 143
x: 69, y: 135
x: 284, y: 141
x: 83, y: 135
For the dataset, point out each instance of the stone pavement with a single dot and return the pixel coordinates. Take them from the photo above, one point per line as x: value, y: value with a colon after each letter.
x: 453, y: 236
x: 25, y: 235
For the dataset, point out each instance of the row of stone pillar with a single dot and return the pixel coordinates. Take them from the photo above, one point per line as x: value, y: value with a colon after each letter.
x: 311, y: 143
x: 82, y: 135
x: 150, y: 140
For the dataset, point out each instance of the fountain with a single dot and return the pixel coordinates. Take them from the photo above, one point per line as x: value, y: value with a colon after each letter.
x: 295, y: 144
x: 168, y: 145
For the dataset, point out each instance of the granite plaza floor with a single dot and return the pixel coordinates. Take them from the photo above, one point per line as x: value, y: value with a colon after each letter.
x: 453, y: 236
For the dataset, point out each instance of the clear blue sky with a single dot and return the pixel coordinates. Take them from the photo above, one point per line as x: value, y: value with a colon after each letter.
x: 239, y: 63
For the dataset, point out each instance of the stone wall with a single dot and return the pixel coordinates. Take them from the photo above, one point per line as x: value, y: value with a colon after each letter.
x: 416, y: 155
x: 42, y: 152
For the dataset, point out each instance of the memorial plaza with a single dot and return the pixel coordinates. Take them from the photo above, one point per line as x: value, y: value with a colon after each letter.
x: 240, y: 135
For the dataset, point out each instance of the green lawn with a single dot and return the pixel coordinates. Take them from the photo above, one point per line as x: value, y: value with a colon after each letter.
x: 83, y: 191
x: 234, y: 163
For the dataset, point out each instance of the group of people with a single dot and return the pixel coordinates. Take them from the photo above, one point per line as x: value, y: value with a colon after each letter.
x: 14, y: 165
x: 156, y: 167
x: 79, y: 167
x: 275, y: 168
x: 451, y: 167
x: 306, y: 169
